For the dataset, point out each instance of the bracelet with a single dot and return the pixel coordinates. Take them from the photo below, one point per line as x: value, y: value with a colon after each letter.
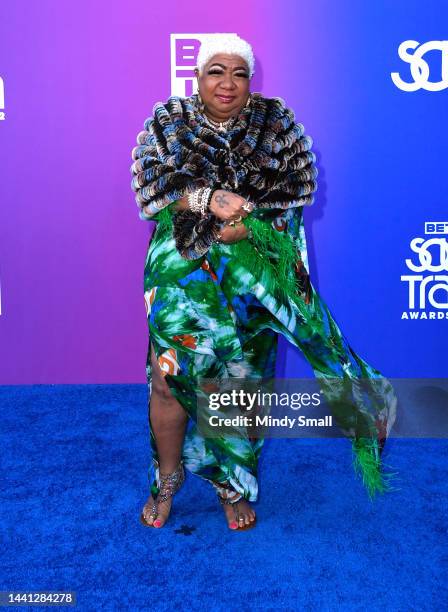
x: 209, y: 197
x: 193, y: 200
x: 200, y: 199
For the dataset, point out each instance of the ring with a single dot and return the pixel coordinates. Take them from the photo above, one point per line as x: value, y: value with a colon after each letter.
x: 239, y: 219
x: 247, y: 206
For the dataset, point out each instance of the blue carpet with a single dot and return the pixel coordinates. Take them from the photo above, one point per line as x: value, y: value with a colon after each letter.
x: 74, y: 466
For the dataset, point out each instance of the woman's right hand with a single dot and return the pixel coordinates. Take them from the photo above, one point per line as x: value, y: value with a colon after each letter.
x: 227, y: 206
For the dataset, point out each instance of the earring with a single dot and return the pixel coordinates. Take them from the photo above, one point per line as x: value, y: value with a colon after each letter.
x: 249, y: 100
x: 200, y: 102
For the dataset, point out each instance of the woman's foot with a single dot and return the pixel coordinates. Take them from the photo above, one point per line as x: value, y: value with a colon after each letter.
x: 163, y: 512
x: 239, y: 515
x: 156, y: 511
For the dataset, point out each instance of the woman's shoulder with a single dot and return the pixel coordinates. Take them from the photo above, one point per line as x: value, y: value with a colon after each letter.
x: 173, y: 108
x: 275, y: 108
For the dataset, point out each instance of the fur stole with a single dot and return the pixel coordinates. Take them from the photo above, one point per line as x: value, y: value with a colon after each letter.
x: 264, y: 157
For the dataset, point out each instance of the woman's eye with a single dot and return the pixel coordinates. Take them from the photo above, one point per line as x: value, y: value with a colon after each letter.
x: 237, y: 74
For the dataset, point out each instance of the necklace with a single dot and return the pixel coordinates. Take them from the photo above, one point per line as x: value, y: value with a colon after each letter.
x: 222, y: 126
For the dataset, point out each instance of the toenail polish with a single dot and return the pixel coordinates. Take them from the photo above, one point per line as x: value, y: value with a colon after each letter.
x: 157, y: 523
x: 233, y: 525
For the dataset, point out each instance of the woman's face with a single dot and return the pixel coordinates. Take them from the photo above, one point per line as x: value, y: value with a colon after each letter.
x: 227, y: 76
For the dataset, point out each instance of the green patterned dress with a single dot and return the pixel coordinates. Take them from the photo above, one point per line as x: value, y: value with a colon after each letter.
x: 219, y: 316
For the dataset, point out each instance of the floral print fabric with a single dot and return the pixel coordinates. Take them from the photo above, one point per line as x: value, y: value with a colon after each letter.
x: 212, y: 318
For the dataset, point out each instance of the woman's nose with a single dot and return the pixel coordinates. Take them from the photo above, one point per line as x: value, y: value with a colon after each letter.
x: 227, y: 81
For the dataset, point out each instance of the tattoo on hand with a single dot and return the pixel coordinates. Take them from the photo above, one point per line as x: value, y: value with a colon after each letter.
x: 221, y: 200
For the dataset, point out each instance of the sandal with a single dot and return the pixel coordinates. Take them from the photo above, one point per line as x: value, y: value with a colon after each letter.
x: 168, y: 485
x: 228, y: 496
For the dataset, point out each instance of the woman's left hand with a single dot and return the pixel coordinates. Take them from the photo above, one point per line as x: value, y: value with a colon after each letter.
x: 233, y: 233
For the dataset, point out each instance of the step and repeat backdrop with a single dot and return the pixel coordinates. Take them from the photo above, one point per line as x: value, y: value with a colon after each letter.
x: 369, y: 82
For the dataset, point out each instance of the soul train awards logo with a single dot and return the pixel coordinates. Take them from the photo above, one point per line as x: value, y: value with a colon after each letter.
x: 184, y: 50
x: 428, y: 286
x: 2, y: 100
x: 420, y: 68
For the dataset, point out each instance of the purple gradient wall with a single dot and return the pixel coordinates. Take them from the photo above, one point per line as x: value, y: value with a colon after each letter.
x: 81, y: 77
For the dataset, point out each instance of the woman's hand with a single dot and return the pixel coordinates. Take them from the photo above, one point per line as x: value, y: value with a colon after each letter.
x: 228, y: 206
x: 233, y: 233
x: 225, y: 205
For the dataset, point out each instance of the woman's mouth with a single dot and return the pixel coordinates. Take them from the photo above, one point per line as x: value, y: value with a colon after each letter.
x: 225, y: 99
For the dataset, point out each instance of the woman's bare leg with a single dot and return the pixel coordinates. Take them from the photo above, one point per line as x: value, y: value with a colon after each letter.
x: 168, y: 422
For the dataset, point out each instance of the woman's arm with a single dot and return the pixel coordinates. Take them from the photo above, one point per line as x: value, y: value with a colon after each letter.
x: 228, y: 234
x: 180, y: 204
x: 223, y: 204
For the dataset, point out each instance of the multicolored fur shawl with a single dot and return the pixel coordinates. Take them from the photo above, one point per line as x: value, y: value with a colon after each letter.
x: 265, y: 157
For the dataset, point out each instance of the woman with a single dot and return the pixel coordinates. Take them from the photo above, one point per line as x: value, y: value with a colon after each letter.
x: 226, y: 173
